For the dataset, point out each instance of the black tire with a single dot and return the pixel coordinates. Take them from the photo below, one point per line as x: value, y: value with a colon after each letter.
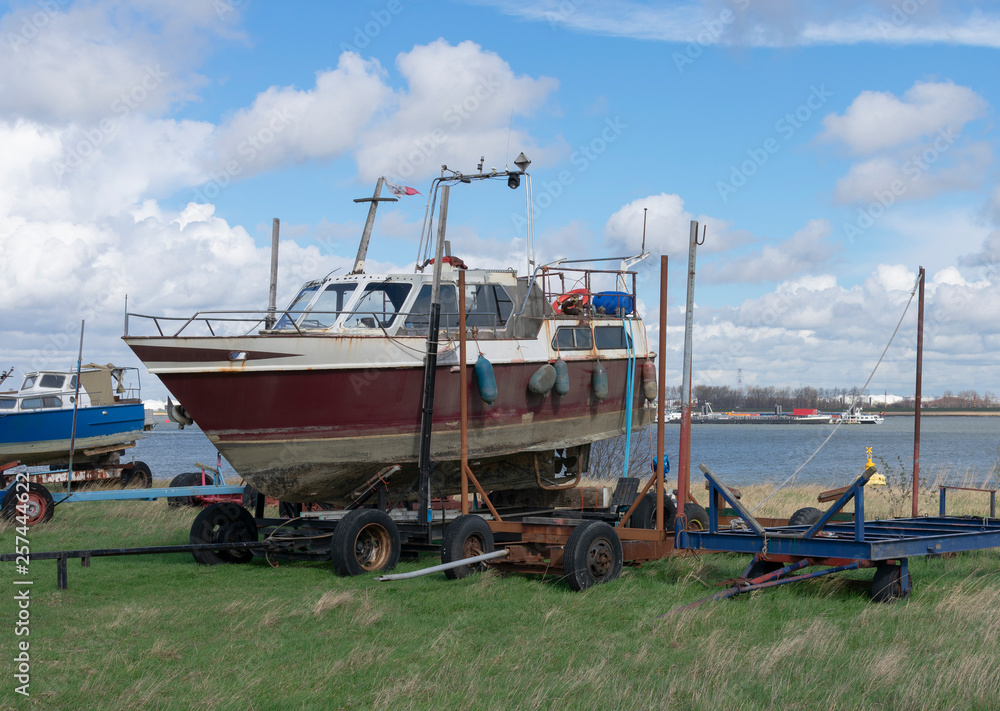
x: 37, y: 509
x: 365, y: 541
x: 805, y: 517
x: 287, y: 510
x: 465, y: 537
x: 186, y: 479
x: 592, y: 555
x: 644, y: 515
x: 697, y: 517
x: 139, y: 475
x: 763, y: 567
x: 249, y: 498
x: 887, y: 585
x: 225, y: 522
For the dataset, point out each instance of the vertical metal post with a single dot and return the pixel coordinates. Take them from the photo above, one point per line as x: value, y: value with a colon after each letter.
x: 661, y: 395
x: 684, y: 463
x: 272, y: 294
x: 76, y: 407
x: 463, y: 391
x: 430, y: 371
x: 916, y: 396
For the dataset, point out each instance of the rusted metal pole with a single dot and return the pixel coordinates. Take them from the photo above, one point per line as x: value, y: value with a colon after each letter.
x: 916, y: 396
x: 684, y: 458
x: 463, y: 390
x: 661, y: 394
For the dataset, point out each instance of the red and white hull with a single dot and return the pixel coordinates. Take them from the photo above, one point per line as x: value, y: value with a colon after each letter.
x: 310, y: 418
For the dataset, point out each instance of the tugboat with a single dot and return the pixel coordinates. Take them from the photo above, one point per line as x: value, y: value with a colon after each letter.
x: 360, y: 372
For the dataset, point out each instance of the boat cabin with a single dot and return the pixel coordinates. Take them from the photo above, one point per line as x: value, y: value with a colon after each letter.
x: 100, y: 386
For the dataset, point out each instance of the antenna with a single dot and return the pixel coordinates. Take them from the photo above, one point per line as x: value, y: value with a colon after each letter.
x: 643, y: 230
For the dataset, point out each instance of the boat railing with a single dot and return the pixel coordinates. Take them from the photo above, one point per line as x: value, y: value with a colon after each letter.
x: 558, y: 283
x: 217, y: 323
x: 252, y: 321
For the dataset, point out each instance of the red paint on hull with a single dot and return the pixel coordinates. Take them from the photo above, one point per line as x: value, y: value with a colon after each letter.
x: 344, y: 403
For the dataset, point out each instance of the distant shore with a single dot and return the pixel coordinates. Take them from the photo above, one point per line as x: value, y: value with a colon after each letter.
x: 943, y: 413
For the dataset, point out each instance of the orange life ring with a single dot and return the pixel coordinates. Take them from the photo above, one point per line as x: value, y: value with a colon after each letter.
x: 581, y: 295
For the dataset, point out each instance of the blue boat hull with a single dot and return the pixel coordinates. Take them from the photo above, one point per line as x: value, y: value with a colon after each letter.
x: 43, y: 436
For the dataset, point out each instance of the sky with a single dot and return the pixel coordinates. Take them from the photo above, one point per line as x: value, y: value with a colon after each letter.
x: 829, y: 148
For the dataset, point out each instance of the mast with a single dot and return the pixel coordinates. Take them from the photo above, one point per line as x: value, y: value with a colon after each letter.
x: 366, y: 235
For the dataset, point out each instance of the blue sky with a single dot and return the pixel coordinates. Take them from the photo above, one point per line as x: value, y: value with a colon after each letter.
x: 830, y: 147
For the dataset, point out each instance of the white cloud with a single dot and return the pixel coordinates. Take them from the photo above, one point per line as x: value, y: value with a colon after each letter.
x: 96, y: 60
x: 776, y: 23
x: 803, y: 252
x: 908, y: 175
x: 668, y: 227
x: 287, y: 125
x: 457, y: 106
x: 876, y: 121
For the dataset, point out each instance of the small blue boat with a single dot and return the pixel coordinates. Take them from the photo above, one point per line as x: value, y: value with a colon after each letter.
x: 36, y: 421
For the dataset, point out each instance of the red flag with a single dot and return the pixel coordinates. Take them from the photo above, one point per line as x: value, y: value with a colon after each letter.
x: 401, y: 190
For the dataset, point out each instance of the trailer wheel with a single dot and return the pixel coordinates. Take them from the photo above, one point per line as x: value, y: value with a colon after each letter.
x: 592, y: 555
x: 186, y: 479
x: 805, y: 517
x: 37, y: 509
x: 223, y: 523
x: 465, y: 537
x: 644, y: 515
x: 887, y: 585
x: 137, y: 475
x: 365, y: 541
x: 697, y: 517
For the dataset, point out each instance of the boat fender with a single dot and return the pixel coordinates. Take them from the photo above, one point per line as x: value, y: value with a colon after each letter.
x: 543, y: 380
x: 485, y: 380
x: 649, y: 380
x: 599, y: 381
x: 562, y: 376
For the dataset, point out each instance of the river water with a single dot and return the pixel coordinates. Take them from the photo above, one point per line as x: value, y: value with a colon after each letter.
x: 953, y: 450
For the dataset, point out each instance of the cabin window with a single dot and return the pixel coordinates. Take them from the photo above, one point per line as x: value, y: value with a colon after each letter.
x: 611, y: 337
x: 38, y: 403
x: 328, y: 306
x: 378, y: 305
x: 29, y: 382
x: 296, y: 309
x: 52, y: 381
x: 572, y: 338
x: 487, y: 305
x: 418, y: 319
x: 8, y: 403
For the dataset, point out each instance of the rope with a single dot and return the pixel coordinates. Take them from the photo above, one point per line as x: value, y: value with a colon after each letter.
x: 853, y: 401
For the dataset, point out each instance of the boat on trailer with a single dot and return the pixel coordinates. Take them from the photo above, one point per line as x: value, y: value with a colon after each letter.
x: 314, y: 402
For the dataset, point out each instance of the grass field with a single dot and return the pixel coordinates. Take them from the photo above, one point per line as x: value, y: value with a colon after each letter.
x: 160, y: 632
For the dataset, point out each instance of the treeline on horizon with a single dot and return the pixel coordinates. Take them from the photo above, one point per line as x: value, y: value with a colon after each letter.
x: 755, y: 397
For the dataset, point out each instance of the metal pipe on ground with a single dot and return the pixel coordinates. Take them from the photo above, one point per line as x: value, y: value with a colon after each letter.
x: 444, y: 566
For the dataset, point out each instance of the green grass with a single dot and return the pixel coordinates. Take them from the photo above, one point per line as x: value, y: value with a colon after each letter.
x: 160, y: 632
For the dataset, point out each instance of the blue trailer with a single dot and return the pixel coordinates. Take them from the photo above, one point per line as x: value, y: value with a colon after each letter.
x: 782, y: 553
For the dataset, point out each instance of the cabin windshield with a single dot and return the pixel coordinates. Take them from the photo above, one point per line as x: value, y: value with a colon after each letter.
x: 329, y: 306
x: 296, y: 309
x: 378, y: 305
x: 29, y: 382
